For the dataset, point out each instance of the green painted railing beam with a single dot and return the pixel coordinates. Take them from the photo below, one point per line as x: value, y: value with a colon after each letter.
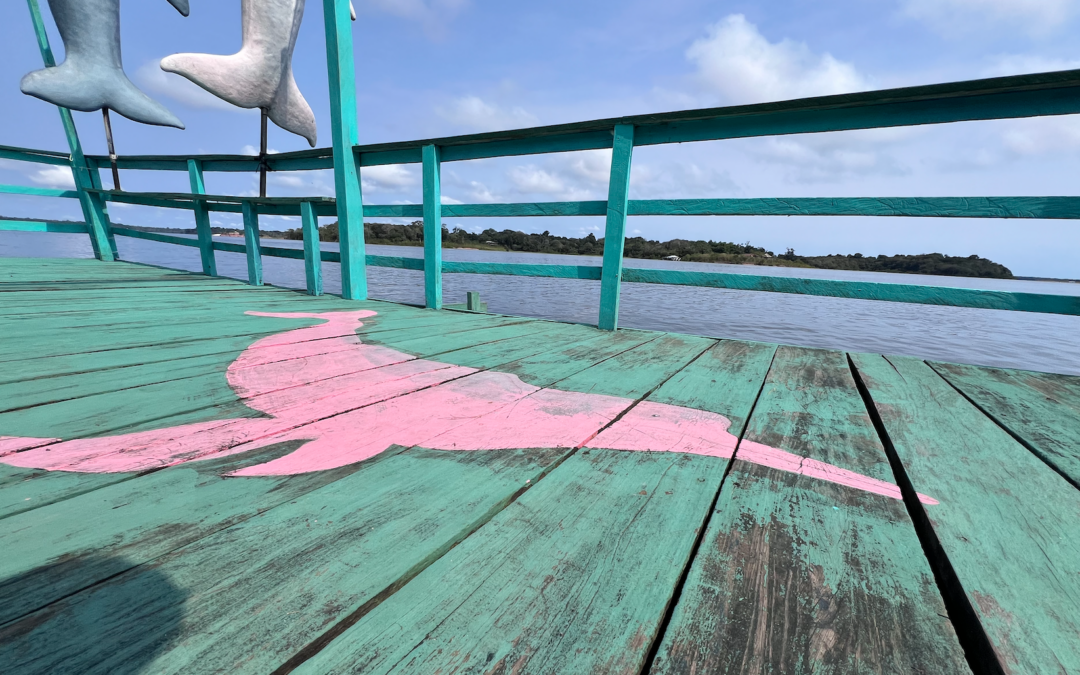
x: 154, y: 236
x: 35, y: 156
x: 42, y: 226
x: 350, y: 209
x: 312, y: 259
x: 37, y: 192
x: 432, y: 227
x: 863, y: 290
x: 251, y: 244
x: 96, y: 198
x: 93, y: 208
x: 615, y: 229
x: 202, y: 219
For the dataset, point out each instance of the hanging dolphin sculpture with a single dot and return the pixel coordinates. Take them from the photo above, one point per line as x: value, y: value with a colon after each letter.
x: 92, y: 76
x: 259, y: 75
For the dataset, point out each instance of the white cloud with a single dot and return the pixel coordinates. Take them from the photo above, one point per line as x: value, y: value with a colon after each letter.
x: 1020, y: 64
x: 153, y: 79
x: 831, y: 158
x: 55, y: 177
x: 473, y: 113
x: 965, y: 16
x: 433, y: 15
x: 252, y: 150
x: 1050, y: 135
x: 739, y: 64
x: 443, y: 199
x: 677, y: 180
x: 389, y: 178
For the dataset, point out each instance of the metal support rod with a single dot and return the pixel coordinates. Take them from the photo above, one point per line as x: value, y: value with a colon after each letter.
x: 262, y: 155
x: 112, y: 148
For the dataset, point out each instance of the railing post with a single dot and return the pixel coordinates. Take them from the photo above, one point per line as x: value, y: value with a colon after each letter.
x: 350, y: 209
x: 615, y: 229
x: 432, y: 227
x: 312, y: 255
x: 95, y: 181
x: 202, y: 219
x: 251, y: 244
x: 97, y: 223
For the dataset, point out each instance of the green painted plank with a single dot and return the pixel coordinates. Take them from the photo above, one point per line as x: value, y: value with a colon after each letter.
x: 35, y: 156
x: 432, y: 227
x: 1005, y: 527
x: 36, y: 191
x: 251, y: 244
x: 861, y: 290
x: 24, y: 490
x: 615, y: 229
x: 154, y: 236
x: 569, y: 578
x: 799, y: 575
x: 89, y: 538
x: 41, y: 226
x: 202, y: 220
x: 573, y: 577
x: 1041, y: 411
x: 343, y: 125
x: 312, y: 259
x: 592, y: 272
x: 279, y: 580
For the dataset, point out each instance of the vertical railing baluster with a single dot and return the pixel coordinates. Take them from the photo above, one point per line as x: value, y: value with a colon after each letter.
x: 615, y: 229
x: 93, y: 207
x: 251, y: 244
x: 95, y: 182
x: 312, y: 255
x: 432, y: 227
x: 350, y: 209
x: 202, y: 219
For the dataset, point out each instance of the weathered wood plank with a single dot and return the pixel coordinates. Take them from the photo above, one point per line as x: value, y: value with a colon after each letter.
x: 251, y: 244
x: 432, y: 227
x: 567, y: 579
x: 615, y: 227
x: 312, y: 259
x: 202, y: 220
x: 797, y: 574
x: 1040, y: 410
x: 81, y: 541
x: 1005, y: 528
x: 249, y: 597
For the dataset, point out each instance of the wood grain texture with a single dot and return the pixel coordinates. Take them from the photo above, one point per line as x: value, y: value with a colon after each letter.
x: 202, y: 220
x: 251, y: 244
x: 432, y: 227
x: 1041, y: 410
x: 1005, y: 524
x: 280, y: 580
x: 312, y: 259
x: 615, y: 227
x: 797, y: 575
x: 343, y: 126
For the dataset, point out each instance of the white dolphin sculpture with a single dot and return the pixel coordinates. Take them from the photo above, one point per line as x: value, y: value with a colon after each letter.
x: 92, y: 76
x: 259, y: 75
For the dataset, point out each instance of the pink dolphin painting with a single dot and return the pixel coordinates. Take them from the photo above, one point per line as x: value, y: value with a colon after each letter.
x: 347, y: 401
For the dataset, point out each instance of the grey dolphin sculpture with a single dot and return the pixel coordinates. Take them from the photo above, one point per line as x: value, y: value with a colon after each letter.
x: 259, y: 75
x: 92, y: 76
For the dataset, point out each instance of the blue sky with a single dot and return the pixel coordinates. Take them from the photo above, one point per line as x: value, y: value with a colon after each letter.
x: 441, y: 67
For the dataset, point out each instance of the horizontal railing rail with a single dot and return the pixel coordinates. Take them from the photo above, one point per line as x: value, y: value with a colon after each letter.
x: 998, y: 98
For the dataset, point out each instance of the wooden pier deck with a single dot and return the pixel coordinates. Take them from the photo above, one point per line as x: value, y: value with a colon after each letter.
x: 189, y: 487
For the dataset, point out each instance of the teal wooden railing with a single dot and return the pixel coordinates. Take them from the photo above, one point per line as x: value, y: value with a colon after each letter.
x: 998, y: 98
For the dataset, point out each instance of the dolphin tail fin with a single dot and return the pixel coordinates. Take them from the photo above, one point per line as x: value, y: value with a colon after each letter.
x: 181, y: 6
x: 70, y: 86
x: 291, y: 111
x: 232, y: 78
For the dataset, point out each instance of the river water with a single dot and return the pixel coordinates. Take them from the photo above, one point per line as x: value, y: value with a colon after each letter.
x: 1041, y: 342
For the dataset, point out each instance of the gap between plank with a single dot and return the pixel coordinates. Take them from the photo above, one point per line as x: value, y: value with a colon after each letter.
x: 1004, y: 427
x: 673, y: 602
x: 321, y: 642
x: 979, y: 651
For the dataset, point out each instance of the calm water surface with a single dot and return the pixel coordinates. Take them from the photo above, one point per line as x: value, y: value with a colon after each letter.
x: 1041, y: 342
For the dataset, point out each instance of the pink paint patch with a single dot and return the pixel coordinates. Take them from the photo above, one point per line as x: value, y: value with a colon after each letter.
x: 347, y: 402
x: 17, y: 443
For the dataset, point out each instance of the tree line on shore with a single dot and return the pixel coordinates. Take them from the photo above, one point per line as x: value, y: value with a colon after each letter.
x: 687, y: 250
